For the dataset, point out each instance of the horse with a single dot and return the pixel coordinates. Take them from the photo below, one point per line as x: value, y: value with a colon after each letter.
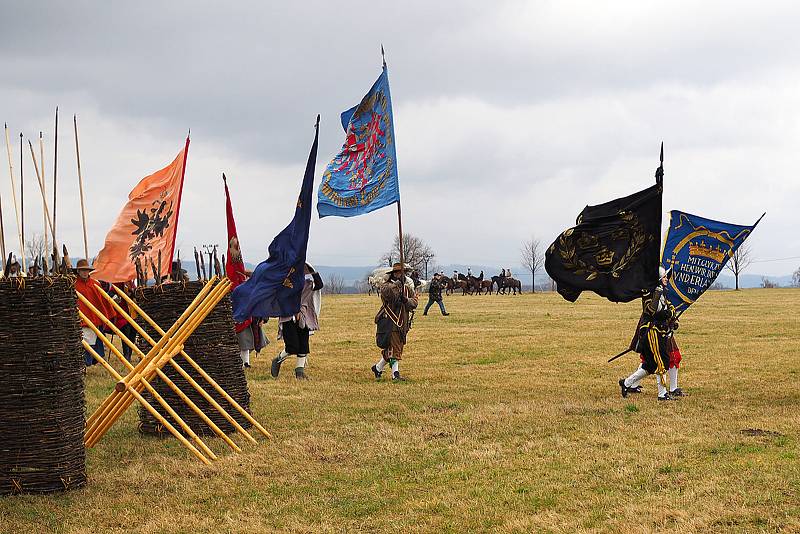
x: 448, y: 284
x: 514, y: 284
x: 505, y: 282
x: 486, y: 286
x: 500, y: 281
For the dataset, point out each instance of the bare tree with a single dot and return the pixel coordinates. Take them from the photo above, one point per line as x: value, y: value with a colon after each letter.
x: 532, y: 259
x: 417, y: 253
x: 34, y: 247
x: 740, y: 261
x: 334, y: 285
x: 796, y: 278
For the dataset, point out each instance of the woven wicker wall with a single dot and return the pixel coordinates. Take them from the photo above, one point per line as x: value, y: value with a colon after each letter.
x: 42, y: 412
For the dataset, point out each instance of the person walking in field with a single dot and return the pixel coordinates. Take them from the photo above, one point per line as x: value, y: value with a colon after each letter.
x: 674, y: 358
x: 435, y: 295
x: 295, y: 329
x: 657, y: 321
x: 393, y: 320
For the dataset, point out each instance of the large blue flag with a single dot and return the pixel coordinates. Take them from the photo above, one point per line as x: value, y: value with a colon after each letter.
x: 363, y: 176
x: 697, y: 249
x: 276, y: 285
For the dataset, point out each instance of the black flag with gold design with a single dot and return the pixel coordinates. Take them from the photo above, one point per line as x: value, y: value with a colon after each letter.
x: 614, y: 249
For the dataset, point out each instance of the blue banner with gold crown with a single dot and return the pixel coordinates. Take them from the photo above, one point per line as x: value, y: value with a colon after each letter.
x: 363, y: 175
x: 697, y: 249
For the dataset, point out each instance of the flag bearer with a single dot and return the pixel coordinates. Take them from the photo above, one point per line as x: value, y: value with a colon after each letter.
x: 653, y: 340
x: 394, y: 320
x: 295, y: 329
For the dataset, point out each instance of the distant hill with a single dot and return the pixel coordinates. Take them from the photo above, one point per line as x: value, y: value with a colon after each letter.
x: 351, y: 274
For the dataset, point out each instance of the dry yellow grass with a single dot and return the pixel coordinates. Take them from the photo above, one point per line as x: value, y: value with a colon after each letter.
x: 511, y: 422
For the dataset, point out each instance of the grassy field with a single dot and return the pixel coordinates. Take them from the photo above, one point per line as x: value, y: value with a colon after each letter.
x: 511, y: 421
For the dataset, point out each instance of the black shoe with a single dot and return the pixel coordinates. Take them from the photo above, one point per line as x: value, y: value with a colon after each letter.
x: 677, y: 392
x: 637, y: 389
x: 275, y: 368
x: 667, y: 397
x: 377, y: 373
x: 247, y: 366
x: 397, y: 378
x: 300, y: 374
x: 426, y: 313
x: 622, y: 389
x: 445, y: 314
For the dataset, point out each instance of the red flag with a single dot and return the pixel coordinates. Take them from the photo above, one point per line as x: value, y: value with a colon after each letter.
x: 234, y: 268
x: 147, y: 224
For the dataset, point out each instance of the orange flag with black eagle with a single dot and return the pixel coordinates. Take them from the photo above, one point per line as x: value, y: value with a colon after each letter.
x: 146, y: 226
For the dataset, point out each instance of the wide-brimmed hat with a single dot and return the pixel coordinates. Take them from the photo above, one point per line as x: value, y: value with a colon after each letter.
x: 83, y: 265
x: 397, y: 267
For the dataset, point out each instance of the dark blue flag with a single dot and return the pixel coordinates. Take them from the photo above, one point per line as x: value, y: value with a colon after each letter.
x: 275, y: 287
x: 697, y: 249
x: 363, y: 176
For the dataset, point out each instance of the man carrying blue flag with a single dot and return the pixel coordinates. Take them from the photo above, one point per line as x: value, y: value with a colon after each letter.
x: 695, y: 252
x: 362, y: 178
x: 276, y: 285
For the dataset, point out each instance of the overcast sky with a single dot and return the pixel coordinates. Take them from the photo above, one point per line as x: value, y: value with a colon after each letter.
x: 509, y: 116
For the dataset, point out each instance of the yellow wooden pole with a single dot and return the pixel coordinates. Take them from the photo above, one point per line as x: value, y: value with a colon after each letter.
x: 41, y: 188
x: 113, y: 399
x: 149, y: 407
x: 186, y: 428
x: 41, y: 162
x: 194, y: 364
x: 178, y: 368
x: 145, y: 369
x: 160, y: 373
x: 14, y: 195
x: 180, y: 335
x: 80, y: 185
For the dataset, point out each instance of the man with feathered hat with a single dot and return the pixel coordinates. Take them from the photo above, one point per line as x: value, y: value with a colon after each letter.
x: 393, y: 320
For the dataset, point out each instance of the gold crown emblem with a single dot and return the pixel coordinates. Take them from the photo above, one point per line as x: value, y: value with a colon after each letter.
x: 704, y: 250
x: 605, y: 257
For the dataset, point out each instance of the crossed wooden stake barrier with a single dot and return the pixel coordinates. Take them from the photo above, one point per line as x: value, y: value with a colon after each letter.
x: 129, y: 388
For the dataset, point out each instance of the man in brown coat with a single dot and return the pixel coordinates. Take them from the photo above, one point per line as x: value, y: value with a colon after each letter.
x: 393, y: 320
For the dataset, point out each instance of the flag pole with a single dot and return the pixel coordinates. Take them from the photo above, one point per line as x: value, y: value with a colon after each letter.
x: 178, y: 209
x: 399, y: 210
x: 55, y: 182
x: 13, y: 185
x: 400, y: 229
x: 40, y: 178
x: 2, y: 236
x: 46, y: 220
x: 80, y: 185
x: 22, y: 205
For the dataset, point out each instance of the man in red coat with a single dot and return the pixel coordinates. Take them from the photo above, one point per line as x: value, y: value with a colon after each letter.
x: 90, y: 289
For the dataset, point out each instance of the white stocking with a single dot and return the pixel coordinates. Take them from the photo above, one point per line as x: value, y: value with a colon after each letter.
x: 673, y: 378
x: 635, y: 378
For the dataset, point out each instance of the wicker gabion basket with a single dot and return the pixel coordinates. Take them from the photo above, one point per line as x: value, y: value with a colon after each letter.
x: 42, y: 412
x: 213, y: 346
